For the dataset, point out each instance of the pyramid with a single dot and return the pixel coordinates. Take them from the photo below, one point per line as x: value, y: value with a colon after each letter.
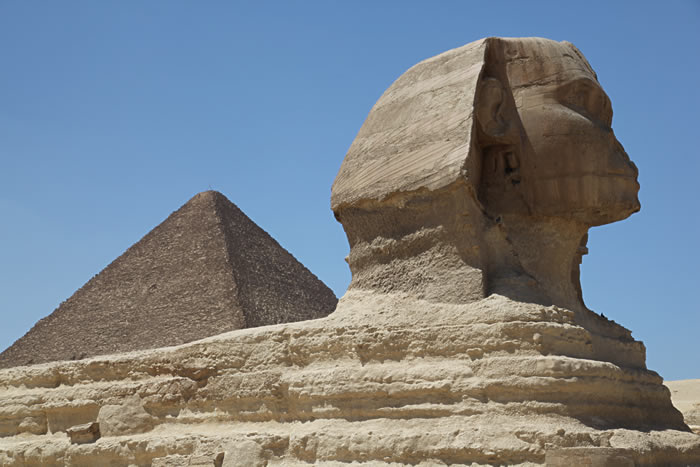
x: 205, y: 270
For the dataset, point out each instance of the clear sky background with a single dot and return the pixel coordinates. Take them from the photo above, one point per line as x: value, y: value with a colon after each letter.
x: 113, y: 114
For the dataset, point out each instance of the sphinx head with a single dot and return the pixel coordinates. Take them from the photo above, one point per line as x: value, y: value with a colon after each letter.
x: 480, y: 171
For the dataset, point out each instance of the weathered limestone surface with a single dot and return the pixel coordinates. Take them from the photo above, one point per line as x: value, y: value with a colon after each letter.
x: 85, y: 433
x: 463, y: 338
x: 686, y: 397
x: 205, y: 270
x: 406, y: 381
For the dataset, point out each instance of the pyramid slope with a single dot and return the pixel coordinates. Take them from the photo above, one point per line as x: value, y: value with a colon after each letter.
x: 277, y: 290
x: 176, y: 285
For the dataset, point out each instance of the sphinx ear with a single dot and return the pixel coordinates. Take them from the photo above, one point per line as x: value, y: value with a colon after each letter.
x: 501, y: 142
x: 491, y: 110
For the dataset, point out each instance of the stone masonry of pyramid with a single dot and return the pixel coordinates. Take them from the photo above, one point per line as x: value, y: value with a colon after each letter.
x: 205, y: 270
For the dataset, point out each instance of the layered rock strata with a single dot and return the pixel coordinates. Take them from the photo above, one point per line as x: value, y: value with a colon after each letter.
x: 402, y: 382
x: 205, y: 270
x: 463, y: 338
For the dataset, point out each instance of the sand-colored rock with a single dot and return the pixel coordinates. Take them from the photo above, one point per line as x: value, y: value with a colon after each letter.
x: 205, y: 270
x: 462, y: 340
x: 406, y: 381
x: 686, y: 398
x: 128, y: 417
x: 85, y: 433
x: 587, y: 457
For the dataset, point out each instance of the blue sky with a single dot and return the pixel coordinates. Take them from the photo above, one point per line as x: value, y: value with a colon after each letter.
x: 113, y: 114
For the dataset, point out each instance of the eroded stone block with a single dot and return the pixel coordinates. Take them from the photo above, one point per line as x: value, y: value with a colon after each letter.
x: 85, y: 433
x: 588, y: 457
x: 127, y: 418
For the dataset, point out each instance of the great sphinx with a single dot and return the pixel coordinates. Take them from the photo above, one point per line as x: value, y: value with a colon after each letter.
x: 463, y: 337
x: 480, y: 171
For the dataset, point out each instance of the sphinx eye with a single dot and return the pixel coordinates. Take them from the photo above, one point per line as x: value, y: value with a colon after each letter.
x: 587, y: 99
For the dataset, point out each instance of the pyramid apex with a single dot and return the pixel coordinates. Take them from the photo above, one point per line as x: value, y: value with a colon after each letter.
x: 207, y: 198
x: 207, y: 195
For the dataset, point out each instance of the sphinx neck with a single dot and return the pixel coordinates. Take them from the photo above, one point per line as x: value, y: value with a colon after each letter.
x: 441, y: 247
x: 548, y: 253
x: 427, y: 246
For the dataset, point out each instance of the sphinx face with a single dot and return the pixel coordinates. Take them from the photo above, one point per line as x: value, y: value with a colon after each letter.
x: 576, y: 167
